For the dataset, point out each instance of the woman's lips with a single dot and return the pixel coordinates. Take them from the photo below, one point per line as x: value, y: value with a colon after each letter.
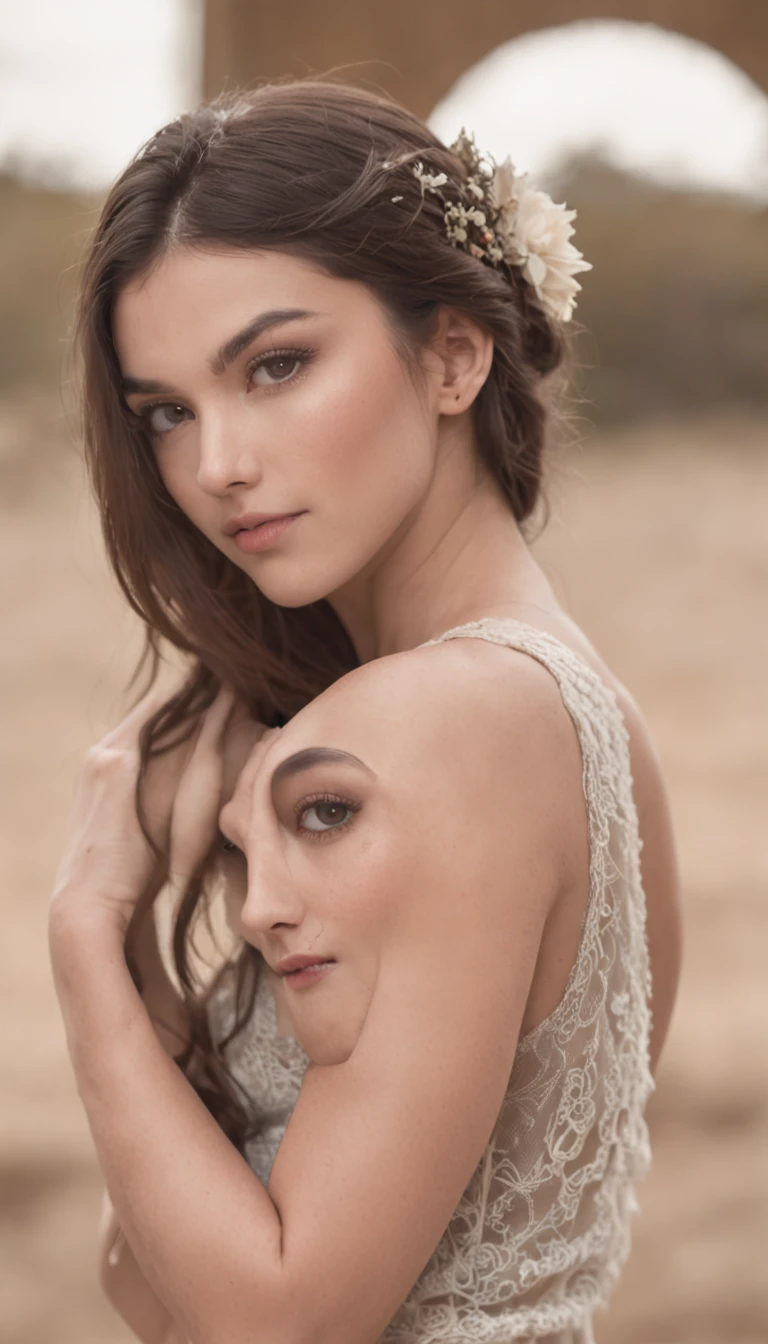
x: 308, y: 975
x: 258, y: 538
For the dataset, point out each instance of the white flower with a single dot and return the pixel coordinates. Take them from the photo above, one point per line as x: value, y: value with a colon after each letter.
x: 429, y: 180
x: 534, y: 232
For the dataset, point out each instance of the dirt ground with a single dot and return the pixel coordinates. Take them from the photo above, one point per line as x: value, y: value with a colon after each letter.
x: 658, y: 545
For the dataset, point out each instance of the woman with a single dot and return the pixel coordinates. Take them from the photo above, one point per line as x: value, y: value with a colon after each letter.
x: 300, y: 303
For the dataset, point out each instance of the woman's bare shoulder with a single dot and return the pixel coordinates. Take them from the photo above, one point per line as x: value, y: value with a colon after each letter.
x: 471, y: 684
x: 450, y: 695
x: 462, y: 714
x: 453, y: 670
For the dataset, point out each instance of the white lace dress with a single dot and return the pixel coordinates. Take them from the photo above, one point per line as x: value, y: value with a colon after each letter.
x: 541, y: 1232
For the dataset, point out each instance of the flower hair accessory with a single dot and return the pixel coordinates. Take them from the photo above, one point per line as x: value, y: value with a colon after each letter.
x: 501, y: 218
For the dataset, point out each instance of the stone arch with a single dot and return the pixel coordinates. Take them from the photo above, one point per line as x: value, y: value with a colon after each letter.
x: 417, y: 51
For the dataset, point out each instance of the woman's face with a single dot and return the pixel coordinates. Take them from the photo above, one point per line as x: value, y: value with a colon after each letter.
x: 269, y: 387
x: 329, y: 826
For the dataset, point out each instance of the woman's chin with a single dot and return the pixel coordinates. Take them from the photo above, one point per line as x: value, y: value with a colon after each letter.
x: 287, y: 590
x: 327, y: 1042
x: 297, y: 581
x: 326, y: 1031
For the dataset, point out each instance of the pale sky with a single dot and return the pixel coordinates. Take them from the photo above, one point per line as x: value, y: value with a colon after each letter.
x: 84, y: 83
x: 652, y: 100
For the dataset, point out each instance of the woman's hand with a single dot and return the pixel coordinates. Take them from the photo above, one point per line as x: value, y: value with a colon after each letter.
x: 107, y: 861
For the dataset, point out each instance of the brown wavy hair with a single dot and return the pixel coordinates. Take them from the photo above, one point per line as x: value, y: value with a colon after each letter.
x: 293, y: 165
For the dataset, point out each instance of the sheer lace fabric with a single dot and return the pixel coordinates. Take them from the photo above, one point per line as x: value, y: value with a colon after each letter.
x: 542, y: 1230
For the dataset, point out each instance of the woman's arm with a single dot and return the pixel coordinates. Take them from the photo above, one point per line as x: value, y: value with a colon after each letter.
x: 125, y: 1286
x: 122, y: 1281
x: 481, y: 768
x: 120, y: 1277
x: 184, y: 1197
x: 201, y: 1226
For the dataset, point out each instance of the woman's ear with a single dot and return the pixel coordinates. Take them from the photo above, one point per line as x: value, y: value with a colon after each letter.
x: 465, y: 352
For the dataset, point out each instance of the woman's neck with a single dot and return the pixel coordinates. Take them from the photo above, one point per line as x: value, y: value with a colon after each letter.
x: 460, y: 556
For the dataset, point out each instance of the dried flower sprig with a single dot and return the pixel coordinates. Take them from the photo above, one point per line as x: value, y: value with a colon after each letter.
x: 499, y: 217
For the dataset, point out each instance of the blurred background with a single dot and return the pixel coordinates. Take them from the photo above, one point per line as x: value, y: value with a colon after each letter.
x: 651, y: 120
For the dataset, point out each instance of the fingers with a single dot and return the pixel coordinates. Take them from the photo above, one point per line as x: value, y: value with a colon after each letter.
x: 211, y: 731
x: 198, y: 798
x: 214, y: 721
x: 127, y: 732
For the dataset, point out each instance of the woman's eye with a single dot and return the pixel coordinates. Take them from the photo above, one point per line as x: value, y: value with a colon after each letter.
x: 163, y: 416
x: 329, y: 815
x: 279, y: 366
x: 283, y: 366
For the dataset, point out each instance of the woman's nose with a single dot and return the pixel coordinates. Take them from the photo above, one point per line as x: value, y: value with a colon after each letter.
x: 226, y: 458
x: 271, y: 903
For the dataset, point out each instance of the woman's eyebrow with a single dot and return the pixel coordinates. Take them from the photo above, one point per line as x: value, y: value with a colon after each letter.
x: 275, y: 317
x: 309, y: 756
x: 230, y: 350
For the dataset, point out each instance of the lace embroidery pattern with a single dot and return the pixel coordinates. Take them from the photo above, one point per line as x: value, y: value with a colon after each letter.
x: 541, y: 1232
